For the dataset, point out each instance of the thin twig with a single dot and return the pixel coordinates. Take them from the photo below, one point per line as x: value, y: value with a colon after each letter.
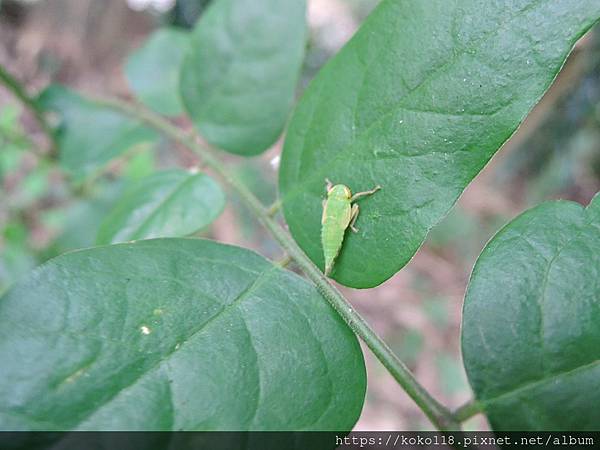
x: 17, y: 89
x: 439, y: 415
x: 466, y: 411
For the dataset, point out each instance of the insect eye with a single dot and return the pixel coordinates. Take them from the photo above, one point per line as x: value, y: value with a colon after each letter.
x: 347, y: 192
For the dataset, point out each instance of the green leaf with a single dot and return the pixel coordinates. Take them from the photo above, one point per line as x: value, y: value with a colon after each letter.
x: 239, y: 78
x: 90, y: 135
x: 140, y: 165
x: 84, y: 216
x: 174, y: 334
x: 172, y: 203
x: 418, y: 101
x: 153, y: 70
x: 16, y: 257
x: 530, y: 334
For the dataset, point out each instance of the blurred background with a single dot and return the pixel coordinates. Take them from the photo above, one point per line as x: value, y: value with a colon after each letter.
x: 83, y: 44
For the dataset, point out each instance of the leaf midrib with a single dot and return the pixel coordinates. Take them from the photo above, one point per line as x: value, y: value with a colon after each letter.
x: 261, y: 278
x: 537, y: 383
x: 342, y: 156
x: 138, y: 233
x: 540, y: 302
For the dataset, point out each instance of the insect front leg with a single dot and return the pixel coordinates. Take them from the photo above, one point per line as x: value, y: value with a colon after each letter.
x: 353, y: 217
x: 365, y: 193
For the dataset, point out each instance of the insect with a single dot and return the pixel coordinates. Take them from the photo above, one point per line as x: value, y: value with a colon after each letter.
x: 339, y: 213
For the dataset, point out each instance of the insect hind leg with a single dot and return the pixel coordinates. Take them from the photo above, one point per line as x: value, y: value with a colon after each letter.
x: 353, y: 217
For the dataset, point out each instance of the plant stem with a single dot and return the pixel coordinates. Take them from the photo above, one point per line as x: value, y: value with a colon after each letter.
x: 466, y: 411
x: 440, y: 416
x: 17, y: 89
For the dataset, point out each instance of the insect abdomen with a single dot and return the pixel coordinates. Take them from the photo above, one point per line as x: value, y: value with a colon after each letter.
x: 334, y: 227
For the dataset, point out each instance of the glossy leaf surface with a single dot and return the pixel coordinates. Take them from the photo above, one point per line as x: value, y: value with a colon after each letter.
x: 530, y: 335
x: 418, y: 101
x: 174, y: 334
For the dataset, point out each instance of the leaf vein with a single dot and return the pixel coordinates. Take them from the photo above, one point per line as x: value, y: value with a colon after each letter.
x: 241, y: 297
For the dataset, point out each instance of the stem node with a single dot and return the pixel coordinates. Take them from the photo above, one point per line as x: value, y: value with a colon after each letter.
x: 439, y: 415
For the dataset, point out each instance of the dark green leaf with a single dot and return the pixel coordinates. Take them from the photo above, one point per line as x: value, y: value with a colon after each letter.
x: 153, y: 71
x: 172, y: 203
x: 530, y: 334
x: 90, y: 135
x: 239, y: 79
x: 418, y: 102
x: 174, y: 334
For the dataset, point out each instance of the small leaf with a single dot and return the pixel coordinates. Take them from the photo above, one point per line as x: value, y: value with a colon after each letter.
x: 153, y: 70
x: 172, y: 203
x: 530, y: 334
x: 90, y: 135
x: 418, y: 102
x: 174, y: 334
x: 83, y: 218
x: 239, y: 78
